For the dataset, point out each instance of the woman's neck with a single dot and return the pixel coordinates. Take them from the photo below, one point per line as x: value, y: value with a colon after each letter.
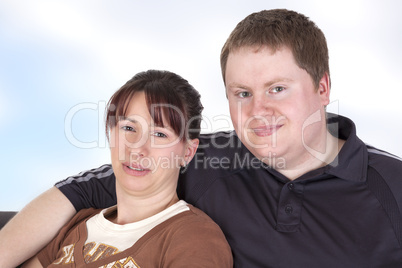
x: 131, y: 209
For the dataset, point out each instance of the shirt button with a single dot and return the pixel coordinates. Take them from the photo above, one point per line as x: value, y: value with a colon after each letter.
x: 291, y: 186
x: 288, y: 209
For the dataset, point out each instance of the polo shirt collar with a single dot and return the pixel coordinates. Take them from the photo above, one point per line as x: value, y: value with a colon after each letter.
x: 352, y: 160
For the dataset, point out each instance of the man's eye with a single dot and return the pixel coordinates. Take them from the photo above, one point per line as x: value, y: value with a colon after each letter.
x: 277, y: 89
x: 244, y: 94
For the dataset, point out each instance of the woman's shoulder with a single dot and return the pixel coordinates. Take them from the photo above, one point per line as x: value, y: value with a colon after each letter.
x: 197, y: 238
x: 195, y: 222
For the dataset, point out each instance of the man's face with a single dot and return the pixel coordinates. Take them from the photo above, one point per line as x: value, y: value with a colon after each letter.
x: 274, y: 105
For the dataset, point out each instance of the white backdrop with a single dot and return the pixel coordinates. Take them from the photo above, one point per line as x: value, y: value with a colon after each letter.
x: 60, y: 61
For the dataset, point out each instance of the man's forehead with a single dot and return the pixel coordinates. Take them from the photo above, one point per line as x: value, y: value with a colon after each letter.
x: 257, y: 49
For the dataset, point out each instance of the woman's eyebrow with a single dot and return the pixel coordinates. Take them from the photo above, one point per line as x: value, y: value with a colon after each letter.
x: 125, y: 118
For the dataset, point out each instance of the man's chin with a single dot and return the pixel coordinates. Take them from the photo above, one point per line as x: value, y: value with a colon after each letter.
x: 269, y: 156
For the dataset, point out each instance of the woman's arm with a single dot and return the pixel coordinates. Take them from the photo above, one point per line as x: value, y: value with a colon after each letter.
x: 33, y: 227
x: 32, y: 263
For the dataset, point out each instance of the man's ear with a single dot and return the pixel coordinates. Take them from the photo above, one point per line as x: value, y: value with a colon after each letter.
x: 191, y: 149
x: 324, y: 88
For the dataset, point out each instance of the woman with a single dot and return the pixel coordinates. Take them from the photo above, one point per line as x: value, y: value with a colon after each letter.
x: 152, y: 124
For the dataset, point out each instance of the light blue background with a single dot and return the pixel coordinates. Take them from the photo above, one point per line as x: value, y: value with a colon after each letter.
x: 60, y: 61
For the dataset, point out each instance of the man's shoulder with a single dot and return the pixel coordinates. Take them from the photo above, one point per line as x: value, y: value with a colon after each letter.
x: 102, y: 172
x: 384, y: 162
x: 91, y: 188
x: 219, y: 150
x: 384, y: 179
x: 219, y: 143
x: 388, y: 168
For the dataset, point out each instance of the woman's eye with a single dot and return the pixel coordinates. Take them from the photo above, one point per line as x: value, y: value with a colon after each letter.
x: 277, y: 89
x: 128, y: 128
x: 244, y: 94
x: 160, y: 135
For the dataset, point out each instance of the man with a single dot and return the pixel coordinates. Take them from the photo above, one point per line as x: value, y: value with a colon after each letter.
x: 293, y: 186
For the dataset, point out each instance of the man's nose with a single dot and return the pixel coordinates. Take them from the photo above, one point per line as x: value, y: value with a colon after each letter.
x: 262, y: 105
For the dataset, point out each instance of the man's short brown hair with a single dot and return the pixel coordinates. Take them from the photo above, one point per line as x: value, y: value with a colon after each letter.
x: 279, y: 28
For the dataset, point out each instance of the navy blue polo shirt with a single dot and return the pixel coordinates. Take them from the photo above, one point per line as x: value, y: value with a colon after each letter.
x: 346, y: 214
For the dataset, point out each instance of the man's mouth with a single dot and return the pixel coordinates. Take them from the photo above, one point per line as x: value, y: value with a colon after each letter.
x: 263, y: 131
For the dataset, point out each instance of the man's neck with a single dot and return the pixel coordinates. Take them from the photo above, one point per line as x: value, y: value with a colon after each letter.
x: 313, y: 159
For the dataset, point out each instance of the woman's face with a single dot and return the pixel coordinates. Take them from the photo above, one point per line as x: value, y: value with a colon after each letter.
x: 146, y: 158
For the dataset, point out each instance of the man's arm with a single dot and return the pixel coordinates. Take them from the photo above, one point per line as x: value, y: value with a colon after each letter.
x: 33, y: 227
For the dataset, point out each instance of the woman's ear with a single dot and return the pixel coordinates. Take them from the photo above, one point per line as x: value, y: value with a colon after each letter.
x: 191, y: 149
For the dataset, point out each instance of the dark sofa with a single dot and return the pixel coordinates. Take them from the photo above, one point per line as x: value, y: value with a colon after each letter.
x: 5, y: 216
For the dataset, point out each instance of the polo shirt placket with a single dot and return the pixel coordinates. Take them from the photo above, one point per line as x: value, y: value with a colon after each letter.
x: 290, y: 207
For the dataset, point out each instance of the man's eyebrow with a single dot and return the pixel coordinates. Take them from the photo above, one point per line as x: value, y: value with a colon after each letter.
x: 236, y: 85
x: 267, y: 84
